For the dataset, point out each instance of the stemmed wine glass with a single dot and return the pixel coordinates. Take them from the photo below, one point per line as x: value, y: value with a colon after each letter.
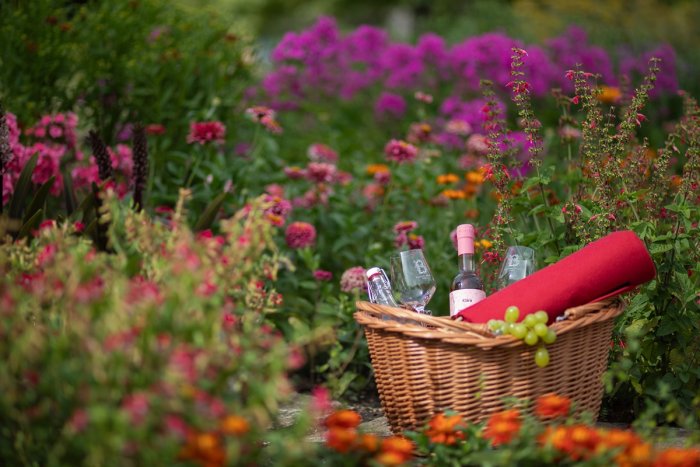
x: 413, y: 282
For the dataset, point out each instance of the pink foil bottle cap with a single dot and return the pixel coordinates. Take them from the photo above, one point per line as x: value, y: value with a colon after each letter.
x: 465, y: 239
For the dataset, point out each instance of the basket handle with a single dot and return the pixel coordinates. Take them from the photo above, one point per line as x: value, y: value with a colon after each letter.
x: 576, y: 313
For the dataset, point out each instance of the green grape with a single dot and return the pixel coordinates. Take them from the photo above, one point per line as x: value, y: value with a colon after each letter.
x: 540, y: 329
x: 530, y: 321
x: 495, y: 325
x: 542, y: 316
x: 507, y: 328
x: 531, y: 338
x: 512, y: 313
x: 518, y: 330
x: 542, y: 357
x: 550, y: 337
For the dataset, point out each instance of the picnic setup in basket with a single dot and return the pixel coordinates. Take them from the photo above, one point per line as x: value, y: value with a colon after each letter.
x: 545, y: 331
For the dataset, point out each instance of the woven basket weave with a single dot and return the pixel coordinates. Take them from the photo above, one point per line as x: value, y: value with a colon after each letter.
x: 424, y: 365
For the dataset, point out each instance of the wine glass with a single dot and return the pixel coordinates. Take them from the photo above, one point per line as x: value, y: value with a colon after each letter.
x: 413, y: 282
x: 518, y: 263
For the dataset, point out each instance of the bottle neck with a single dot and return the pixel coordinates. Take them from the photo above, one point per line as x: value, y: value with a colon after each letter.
x: 466, y: 262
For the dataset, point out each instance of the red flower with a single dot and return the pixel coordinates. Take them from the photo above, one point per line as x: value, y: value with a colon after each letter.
x: 552, y: 406
x: 343, y: 419
x: 203, y: 132
x: 502, y: 427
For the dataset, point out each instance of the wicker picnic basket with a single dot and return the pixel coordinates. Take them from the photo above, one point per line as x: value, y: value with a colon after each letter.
x: 424, y: 365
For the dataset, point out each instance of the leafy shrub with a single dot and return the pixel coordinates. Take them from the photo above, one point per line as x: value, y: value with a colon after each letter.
x: 156, y: 353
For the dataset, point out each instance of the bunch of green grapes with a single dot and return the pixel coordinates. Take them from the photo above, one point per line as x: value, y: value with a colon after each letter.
x: 533, y: 329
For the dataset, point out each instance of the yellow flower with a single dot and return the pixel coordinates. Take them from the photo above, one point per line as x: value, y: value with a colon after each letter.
x: 374, y: 169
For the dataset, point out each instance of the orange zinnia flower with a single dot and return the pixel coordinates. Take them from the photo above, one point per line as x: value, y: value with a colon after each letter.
x: 447, y: 179
x: 475, y: 176
x: 343, y: 419
x: 552, y: 406
x: 395, y: 451
x: 444, y: 430
x: 369, y: 442
x: 374, y: 169
x: 502, y: 427
x: 632, y: 451
x: 677, y: 457
x: 609, y: 94
x: 454, y: 194
x: 205, y: 448
x: 234, y: 425
x: 341, y: 439
x: 580, y: 442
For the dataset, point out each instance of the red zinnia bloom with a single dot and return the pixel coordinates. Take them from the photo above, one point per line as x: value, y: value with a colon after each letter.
x: 203, y: 132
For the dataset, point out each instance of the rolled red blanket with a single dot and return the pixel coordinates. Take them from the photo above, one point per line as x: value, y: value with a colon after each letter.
x: 614, y: 264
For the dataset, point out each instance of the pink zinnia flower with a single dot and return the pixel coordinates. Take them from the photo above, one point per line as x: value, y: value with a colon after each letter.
x: 405, y: 226
x: 400, y: 151
x: 478, y: 144
x: 321, y: 153
x: 320, y: 172
x: 322, y: 276
x: 352, y: 279
x: 415, y: 241
x: 300, y: 235
x: 203, y: 132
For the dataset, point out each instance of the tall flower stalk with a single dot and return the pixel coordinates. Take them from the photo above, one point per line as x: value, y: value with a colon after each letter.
x: 5, y: 151
x: 140, y: 155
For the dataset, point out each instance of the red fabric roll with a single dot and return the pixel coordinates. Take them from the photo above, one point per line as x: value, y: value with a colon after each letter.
x: 614, y: 264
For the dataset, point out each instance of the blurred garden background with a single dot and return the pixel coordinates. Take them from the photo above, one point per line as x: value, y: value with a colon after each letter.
x: 192, y: 180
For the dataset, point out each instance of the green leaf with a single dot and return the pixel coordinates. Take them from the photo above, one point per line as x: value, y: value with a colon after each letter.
x: 22, y: 188
x: 39, y: 199
x: 31, y: 224
x: 69, y: 193
x: 209, y: 215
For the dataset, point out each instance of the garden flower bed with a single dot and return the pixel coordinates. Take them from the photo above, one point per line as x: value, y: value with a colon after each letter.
x: 183, y: 238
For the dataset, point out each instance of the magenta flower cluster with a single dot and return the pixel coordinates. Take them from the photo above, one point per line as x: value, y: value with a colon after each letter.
x: 320, y: 62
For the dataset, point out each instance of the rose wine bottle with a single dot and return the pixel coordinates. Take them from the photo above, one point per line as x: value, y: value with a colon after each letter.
x: 467, y: 289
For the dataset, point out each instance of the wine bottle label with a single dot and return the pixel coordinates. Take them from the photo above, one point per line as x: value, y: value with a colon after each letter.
x: 464, y: 298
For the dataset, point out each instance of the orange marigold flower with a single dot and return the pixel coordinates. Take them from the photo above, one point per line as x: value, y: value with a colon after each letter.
x: 234, y: 425
x: 341, y: 439
x: 552, y: 406
x: 446, y: 179
x: 374, y: 169
x: 581, y: 442
x: 485, y: 244
x: 395, y: 450
x: 475, y: 176
x: 470, y: 190
x: 390, y: 458
x: 454, y: 194
x: 676, y: 181
x: 444, y: 430
x: 502, y: 427
x: 677, y: 457
x: 609, y: 94
x: 369, y: 442
x: 343, y: 419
